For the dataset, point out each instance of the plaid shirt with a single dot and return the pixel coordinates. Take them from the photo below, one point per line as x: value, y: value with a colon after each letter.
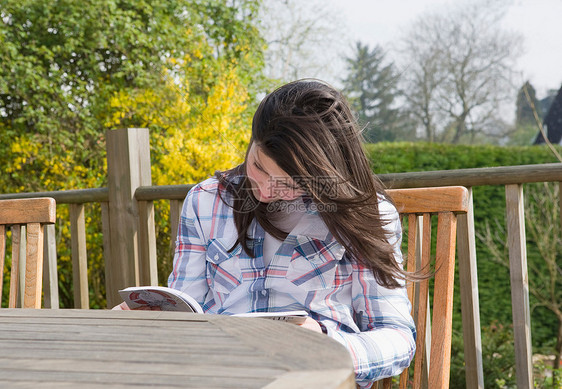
x: 310, y: 271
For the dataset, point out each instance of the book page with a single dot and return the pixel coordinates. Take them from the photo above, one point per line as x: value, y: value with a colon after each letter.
x: 159, y: 297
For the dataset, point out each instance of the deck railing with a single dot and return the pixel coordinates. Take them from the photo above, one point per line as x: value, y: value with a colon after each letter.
x: 130, y: 243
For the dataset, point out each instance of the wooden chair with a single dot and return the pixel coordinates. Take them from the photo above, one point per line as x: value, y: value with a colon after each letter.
x: 32, y: 214
x: 416, y: 206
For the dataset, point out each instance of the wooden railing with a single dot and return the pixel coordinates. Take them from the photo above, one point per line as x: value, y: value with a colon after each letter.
x: 130, y: 243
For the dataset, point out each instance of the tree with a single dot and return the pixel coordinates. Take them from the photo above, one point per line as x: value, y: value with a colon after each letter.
x: 458, y: 70
x: 371, y: 86
x: 191, y: 135
x: 62, y: 61
x: 189, y: 70
x: 526, y: 126
x: 302, y: 39
x: 525, y: 113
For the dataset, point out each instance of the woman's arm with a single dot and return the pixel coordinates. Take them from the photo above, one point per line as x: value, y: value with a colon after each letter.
x: 386, y: 343
x: 189, y: 265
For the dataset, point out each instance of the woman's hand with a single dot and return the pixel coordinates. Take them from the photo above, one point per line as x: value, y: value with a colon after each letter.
x: 121, y: 307
x: 312, y: 324
x: 124, y: 307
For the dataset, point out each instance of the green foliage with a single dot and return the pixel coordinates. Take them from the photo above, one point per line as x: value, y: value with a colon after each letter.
x: 69, y: 69
x: 523, y: 135
x: 498, y: 360
x: 61, y: 60
x: 498, y: 357
x: 545, y: 376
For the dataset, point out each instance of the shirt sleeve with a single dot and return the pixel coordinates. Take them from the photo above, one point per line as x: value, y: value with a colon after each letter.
x: 386, y: 344
x: 189, y: 265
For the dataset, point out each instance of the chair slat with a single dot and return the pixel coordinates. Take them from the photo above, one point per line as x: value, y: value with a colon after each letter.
x: 443, y: 296
x: 387, y: 383
x: 409, y: 266
x: 50, y: 276
x: 421, y: 319
x: 14, y: 274
x: 411, y: 260
x: 33, y: 266
x: 404, y: 377
x: 2, y: 257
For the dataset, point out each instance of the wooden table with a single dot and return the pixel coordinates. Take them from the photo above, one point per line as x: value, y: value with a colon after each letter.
x: 124, y: 349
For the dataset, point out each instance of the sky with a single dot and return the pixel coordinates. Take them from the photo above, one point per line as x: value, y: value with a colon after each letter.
x: 539, y: 21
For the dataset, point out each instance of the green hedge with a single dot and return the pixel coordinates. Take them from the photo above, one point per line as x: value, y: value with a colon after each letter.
x: 489, y: 204
x: 414, y: 157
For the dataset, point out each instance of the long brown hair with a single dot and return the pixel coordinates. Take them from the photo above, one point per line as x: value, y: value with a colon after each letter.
x: 307, y: 128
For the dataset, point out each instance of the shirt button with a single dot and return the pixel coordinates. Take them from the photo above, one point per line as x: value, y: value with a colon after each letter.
x: 263, y: 292
x: 262, y: 273
x: 216, y: 257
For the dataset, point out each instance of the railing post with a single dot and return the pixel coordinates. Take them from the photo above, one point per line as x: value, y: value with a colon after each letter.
x: 148, y: 270
x: 79, y: 256
x: 128, y: 167
x: 21, y: 263
x: 466, y: 250
x: 519, y: 285
x: 175, y: 212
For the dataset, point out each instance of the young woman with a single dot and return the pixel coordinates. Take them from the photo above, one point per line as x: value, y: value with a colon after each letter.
x: 302, y: 224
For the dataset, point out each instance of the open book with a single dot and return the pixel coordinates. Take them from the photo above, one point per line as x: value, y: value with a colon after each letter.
x: 168, y: 299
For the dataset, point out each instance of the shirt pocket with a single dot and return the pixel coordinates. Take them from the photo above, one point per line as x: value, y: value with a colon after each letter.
x: 223, y: 268
x: 314, y: 264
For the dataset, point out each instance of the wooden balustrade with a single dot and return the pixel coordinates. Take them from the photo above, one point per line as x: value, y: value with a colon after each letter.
x: 130, y: 242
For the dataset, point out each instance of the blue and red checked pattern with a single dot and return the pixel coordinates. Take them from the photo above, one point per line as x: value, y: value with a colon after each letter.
x: 310, y: 271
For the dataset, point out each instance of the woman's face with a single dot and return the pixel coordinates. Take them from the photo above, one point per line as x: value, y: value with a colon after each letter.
x: 269, y: 181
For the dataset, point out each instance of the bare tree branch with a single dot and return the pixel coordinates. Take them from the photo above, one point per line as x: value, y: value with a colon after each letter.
x: 470, y: 60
